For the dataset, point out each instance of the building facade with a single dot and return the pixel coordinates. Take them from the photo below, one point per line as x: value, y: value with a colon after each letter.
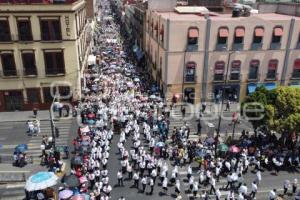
x: 42, y: 46
x: 190, y: 53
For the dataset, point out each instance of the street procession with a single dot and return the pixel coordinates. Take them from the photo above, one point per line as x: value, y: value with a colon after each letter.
x: 124, y: 148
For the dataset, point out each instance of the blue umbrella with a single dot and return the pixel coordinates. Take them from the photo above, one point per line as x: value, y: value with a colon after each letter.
x: 160, y: 144
x: 21, y: 148
x: 85, y: 143
x: 200, y: 153
x: 91, y: 122
x: 41, y: 181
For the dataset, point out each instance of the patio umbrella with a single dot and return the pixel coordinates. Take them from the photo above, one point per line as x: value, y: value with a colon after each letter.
x: 76, y: 160
x: 65, y: 194
x: 71, y: 181
x: 152, y: 96
x: 160, y: 144
x: 85, y: 129
x: 223, y: 147
x: 41, y: 181
x: 86, y: 138
x: 85, y: 143
x: 200, y: 153
x: 78, y: 197
x: 60, y: 148
x: 21, y: 148
x: 91, y: 122
x: 210, y: 140
x: 91, y: 115
x: 234, y: 149
x: 82, y: 179
x: 136, y: 80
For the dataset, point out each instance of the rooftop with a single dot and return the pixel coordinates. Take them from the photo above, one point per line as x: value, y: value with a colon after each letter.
x: 175, y: 16
x: 37, y: 1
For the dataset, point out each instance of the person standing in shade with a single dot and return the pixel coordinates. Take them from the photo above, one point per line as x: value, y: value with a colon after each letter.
x: 144, y: 183
x: 120, y: 178
x: 136, y: 180
x: 154, y: 174
x: 253, y: 190
x: 199, y: 127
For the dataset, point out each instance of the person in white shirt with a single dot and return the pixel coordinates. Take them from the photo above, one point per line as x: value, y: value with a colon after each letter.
x: 272, y: 194
x: 295, y: 185
x: 177, y: 187
x: 213, y: 185
x: 253, y: 190
x: 243, y: 189
x: 165, y: 185
x: 136, y: 180
x: 241, y: 196
x: 218, y: 194
x: 144, y: 183
x: 120, y: 178
x: 258, y: 177
x: 286, y: 185
x: 195, y: 188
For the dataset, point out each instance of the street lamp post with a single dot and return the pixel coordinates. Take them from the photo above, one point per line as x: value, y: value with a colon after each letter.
x: 223, y: 96
x: 51, y: 122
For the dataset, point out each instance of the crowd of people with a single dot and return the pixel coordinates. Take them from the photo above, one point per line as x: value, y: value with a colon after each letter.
x: 117, y: 101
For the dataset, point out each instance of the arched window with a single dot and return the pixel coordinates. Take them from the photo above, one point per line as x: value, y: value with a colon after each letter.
x: 277, y: 34
x: 272, y: 69
x: 190, y: 72
x: 296, y: 69
x: 223, y: 35
x: 193, y: 35
x: 239, y: 35
x: 235, y: 70
x: 253, y: 69
x: 219, y: 71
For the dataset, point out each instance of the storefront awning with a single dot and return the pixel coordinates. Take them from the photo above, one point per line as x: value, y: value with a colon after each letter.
x: 270, y: 86
x: 251, y: 88
x: 278, y: 31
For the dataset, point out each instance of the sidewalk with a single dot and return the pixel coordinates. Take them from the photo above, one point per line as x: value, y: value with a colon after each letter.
x: 10, y: 173
x: 23, y: 116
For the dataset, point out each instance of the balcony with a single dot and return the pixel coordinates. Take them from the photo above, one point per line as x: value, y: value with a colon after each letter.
x: 55, y: 72
x: 218, y: 78
x: 271, y: 76
x: 256, y: 46
x: 275, y: 46
x: 295, y: 76
x: 237, y: 46
x: 11, y: 73
x: 235, y: 77
x: 38, y: 1
x: 192, y: 47
x: 189, y: 78
x: 30, y: 72
x: 253, y: 77
x: 221, y: 47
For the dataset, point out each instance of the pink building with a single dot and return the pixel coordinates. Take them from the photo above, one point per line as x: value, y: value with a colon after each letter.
x: 190, y: 50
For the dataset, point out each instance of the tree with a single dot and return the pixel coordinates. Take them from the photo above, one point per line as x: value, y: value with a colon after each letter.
x: 281, y: 109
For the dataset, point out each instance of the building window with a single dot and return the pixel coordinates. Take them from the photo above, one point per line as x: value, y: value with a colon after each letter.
x: 4, y: 31
x: 235, y: 70
x: 253, y: 71
x: 219, y: 71
x: 296, y: 69
x: 277, y: 34
x: 258, y: 35
x: 156, y: 29
x: 24, y: 30
x: 190, y: 72
x: 54, y: 62
x: 193, y: 35
x: 161, y: 32
x: 272, y: 69
x: 64, y: 91
x: 223, y: 35
x: 29, y: 63
x: 33, y: 95
x: 239, y: 35
x: 47, y: 95
x: 51, y: 29
x: 8, y: 64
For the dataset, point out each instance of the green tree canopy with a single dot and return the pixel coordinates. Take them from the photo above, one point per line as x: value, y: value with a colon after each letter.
x: 281, y: 108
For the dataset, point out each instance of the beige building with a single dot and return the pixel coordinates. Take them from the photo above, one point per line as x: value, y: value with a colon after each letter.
x: 191, y: 50
x: 41, y: 43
